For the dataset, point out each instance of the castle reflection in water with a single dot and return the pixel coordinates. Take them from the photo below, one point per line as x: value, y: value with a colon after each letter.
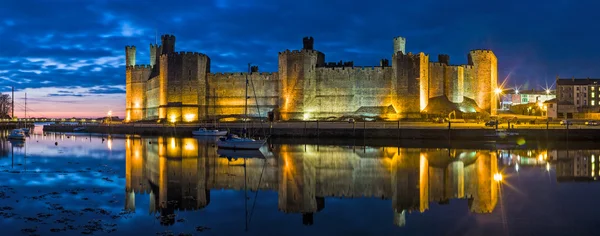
x: 178, y: 174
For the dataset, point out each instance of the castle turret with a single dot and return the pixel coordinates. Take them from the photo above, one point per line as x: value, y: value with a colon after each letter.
x: 485, y: 81
x: 168, y: 43
x: 399, y: 45
x: 153, y: 52
x: 308, y: 43
x: 129, y: 55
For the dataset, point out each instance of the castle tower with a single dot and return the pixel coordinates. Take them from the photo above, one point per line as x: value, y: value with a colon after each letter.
x: 135, y: 81
x: 153, y: 52
x: 399, y: 45
x: 130, y: 55
x: 297, y: 73
x: 485, y: 81
x: 410, y: 82
x: 168, y: 43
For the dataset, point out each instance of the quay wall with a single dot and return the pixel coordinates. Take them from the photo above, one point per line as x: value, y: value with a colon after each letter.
x: 528, y: 135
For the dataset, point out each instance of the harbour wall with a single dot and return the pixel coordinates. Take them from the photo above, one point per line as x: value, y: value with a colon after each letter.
x: 480, y: 134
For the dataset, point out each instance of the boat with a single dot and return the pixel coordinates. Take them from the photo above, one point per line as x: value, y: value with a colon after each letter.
x: 17, y: 134
x: 209, y: 132
x: 79, y: 129
x: 232, y: 141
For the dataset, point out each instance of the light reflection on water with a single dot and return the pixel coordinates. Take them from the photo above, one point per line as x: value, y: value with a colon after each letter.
x: 80, y: 183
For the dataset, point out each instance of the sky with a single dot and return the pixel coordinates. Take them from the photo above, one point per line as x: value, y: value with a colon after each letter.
x: 68, y: 55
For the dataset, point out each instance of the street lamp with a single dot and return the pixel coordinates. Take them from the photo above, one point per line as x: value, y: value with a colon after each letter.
x: 547, y: 91
x: 498, y: 91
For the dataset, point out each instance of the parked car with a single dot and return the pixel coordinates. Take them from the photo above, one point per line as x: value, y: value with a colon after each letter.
x: 566, y: 122
x: 491, y: 123
x: 591, y: 123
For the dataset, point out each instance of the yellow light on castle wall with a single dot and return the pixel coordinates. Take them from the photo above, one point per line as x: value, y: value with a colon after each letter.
x: 498, y: 177
x: 189, y: 117
x: 498, y: 91
x: 173, y: 118
x: 136, y: 105
x: 306, y: 116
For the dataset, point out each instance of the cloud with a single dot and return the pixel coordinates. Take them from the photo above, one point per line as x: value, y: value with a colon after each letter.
x: 61, y: 43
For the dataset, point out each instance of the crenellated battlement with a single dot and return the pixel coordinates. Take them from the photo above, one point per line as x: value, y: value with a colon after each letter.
x: 183, y: 54
x: 238, y: 74
x: 299, y: 52
x: 129, y: 47
x: 137, y: 67
x: 167, y: 37
x: 481, y: 51
x: 355, y: 68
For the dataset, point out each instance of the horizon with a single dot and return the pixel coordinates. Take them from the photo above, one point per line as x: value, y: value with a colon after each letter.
x: 72, y: 63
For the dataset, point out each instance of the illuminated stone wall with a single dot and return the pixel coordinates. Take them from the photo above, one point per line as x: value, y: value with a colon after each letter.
x: 436, y: 79
x: 454, y: 83
x: 178, y: 86
x: 485, y: 72
x: 344, y: 90
x: 226, y: 92
x: 410, y: 82
x: 152, y: 98
x: 183, y: 86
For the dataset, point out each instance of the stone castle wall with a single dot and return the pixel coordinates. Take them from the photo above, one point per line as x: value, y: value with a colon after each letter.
x: 342, y: 91
x: 226, y: 92
x: 178, y: 86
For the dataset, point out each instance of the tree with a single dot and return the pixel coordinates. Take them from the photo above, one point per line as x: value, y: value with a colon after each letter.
x: 5, y: 106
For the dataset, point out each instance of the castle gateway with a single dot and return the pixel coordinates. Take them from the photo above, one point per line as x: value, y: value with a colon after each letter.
x: 178, y: 86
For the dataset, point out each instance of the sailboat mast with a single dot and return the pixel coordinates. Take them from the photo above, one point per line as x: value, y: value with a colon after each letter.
x: 246, y: 100
x: 25, y: 110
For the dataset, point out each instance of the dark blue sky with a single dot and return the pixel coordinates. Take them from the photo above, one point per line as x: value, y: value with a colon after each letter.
x: 69, y: 54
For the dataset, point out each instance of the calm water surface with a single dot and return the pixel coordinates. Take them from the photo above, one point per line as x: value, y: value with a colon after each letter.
x: 65, y: 184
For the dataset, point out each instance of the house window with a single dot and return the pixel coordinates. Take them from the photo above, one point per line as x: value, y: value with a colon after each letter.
x: 593, y: 88
x: 551, y: 105
x: 593, y: 94
x: 584, y: 95
x: 593, y: 102
x: 577, y: 88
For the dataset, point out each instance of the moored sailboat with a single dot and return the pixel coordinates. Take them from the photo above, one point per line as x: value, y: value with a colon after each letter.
x: 233, y: 141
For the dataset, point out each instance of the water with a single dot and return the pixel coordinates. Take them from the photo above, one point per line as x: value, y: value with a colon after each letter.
x: 65, y: 184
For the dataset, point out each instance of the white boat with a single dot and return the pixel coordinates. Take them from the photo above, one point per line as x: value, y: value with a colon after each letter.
x: 233, y: 141
x: 79, y: 129
x: 209, y: 132
x: 17, y: 134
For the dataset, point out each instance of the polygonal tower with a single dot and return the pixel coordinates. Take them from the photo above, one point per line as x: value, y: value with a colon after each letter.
x: 130, y: 55
x: 168, y: 43
x: 485, y: 73
x: 297, y: 73
x: 399, y: 44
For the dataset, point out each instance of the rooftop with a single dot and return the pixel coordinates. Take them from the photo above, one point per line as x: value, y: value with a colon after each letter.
x: 577, y: 81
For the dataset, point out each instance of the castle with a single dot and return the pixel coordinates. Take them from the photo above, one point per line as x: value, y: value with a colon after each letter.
x: 178, y: 86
